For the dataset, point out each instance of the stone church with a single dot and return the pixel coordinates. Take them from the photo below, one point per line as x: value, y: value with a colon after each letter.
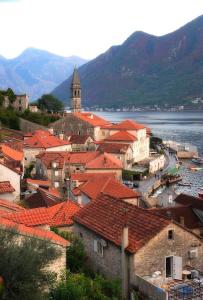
x: 78, y: 122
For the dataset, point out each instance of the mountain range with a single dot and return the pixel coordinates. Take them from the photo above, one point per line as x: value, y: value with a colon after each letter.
x: 145, y: 70
x: 36, y: 72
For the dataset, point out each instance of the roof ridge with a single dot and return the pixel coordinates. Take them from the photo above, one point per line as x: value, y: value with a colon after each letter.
x: 105, y: 184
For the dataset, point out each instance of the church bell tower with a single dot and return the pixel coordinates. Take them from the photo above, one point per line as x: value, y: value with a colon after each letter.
x: 75, y: 92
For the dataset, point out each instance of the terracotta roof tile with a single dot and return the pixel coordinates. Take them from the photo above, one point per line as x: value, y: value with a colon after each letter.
x: 11, y: 153
x: 58, y: 215
x: 105, y: 161
x: 121, y: 136
x: 113, y: 148
x: 33, y: 232
x: 83, y: 177
x: 42, y: 198
x: 106, y: 185
x: 107, y: 216
x: 38, y: 182
x: 91, y: 118
x: 78, y: 139
x: 10, y: 205
x: 66, y: 157
x: 43, y: 139
x: 126, y: 125
x: 6, y: 187
x: 184, y: 199
x: 176, y: 213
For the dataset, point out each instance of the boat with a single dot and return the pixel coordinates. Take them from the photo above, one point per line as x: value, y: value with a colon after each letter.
x: 198, y: 160
x: 196, y: 168
x: 184, y: 183
x: 200, y: 193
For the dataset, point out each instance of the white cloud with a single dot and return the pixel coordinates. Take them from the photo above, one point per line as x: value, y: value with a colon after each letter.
x: 86, y: 27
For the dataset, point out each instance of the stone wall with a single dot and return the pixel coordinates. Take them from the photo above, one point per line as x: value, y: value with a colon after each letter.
x: 27, y: 126
x: 151, y: 257
x: 110, y: 264
x: 70, y: 124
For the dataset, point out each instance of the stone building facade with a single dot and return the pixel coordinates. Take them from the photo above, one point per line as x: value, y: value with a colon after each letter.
x: 20, y: 104
x: 167, y: 249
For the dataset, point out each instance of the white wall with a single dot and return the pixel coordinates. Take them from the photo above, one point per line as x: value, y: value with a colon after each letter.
x: 8, y: 175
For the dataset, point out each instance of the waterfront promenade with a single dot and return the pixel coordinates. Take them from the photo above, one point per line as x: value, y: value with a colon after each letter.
x: 146, y: 186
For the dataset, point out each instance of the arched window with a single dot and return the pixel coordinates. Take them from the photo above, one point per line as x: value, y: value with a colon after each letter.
x: 75, y: 93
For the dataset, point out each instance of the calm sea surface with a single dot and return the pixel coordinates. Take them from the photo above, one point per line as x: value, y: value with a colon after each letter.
x: 184, y: 127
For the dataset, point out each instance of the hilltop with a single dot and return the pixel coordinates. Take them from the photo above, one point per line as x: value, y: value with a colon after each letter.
x: 35, y: 71
x: 145, y: 70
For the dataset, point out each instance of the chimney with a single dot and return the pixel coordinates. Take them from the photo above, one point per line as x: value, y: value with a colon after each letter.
x: 61, y: 136
x: 124, y: 263
x: 182, y: 220
x: 51, y: 130
x: 125, y: 240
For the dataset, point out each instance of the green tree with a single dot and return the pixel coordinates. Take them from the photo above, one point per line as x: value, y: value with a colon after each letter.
x: 49, y: 103
x: 81, y: 287
x: 22, y: 267
x: 1, y: 99
x: 9, y: 119
x: 75, y: 252
x: 11, y: 95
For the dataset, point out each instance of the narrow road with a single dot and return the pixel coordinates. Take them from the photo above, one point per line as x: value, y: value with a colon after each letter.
x: 146, y: 184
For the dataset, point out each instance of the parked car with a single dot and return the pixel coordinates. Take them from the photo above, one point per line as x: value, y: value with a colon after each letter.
x: 135, y: 184
x: 128, y: 183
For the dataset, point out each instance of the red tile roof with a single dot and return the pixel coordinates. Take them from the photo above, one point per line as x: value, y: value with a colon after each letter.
x: 107, y: 186
x: 78, y: 139
x: 92, y: 119
x: 105, y: 161
x: 66, y: 157
x: 11, y: 153
x: 10, y: 205
x: 43, y: 139
x: 38, y: 182
x: 6, y: 187
x: 83, y: 177
x: 184, y: 199
x: 33, y: 232
x: 42, y: 198
x: 113, y: 148
x: 58, y: 215
x: 126, y: 125
x: 191, y: 220
x: 107, y: 216
x: 121, y: 136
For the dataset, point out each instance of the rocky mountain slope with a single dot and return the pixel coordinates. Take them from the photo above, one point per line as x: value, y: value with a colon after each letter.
x: 35, y: 71
x: 145, y: 70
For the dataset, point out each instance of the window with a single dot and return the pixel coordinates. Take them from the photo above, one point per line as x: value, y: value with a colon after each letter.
x: 56, y: 173
x: 171, y: 234
x: 56, y: 184
x: 98, y: 247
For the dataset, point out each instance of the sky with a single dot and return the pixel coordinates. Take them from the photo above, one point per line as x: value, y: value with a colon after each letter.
x: 86, y: 28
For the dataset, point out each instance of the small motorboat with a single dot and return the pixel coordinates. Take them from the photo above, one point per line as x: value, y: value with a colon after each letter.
x: 184, y: 183
x: 200, y: 193
x: 198, y: 160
